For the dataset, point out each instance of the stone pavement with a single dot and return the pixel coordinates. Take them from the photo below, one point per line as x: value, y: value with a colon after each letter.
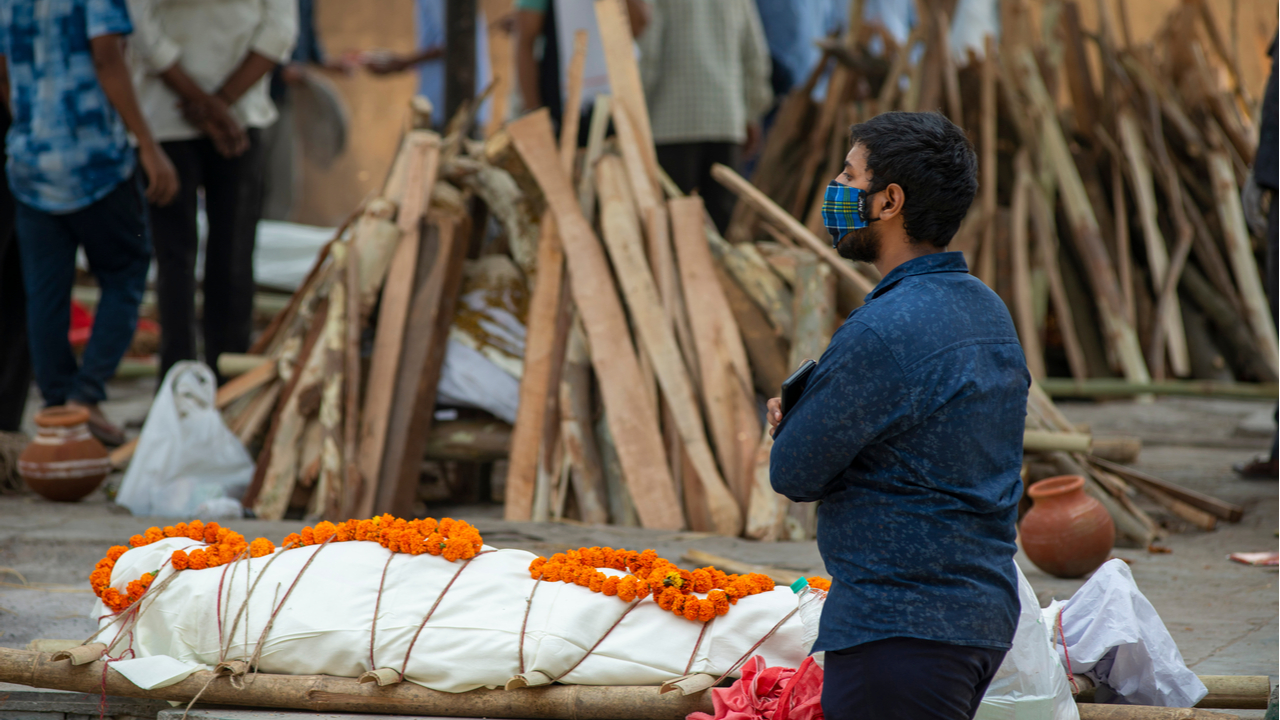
x: 1222, y: 614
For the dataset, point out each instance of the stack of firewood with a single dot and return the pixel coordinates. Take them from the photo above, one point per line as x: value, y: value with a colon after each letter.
x: 1137, y: 170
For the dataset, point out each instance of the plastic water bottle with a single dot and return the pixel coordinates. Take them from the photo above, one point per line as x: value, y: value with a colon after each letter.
x: 811, y: 601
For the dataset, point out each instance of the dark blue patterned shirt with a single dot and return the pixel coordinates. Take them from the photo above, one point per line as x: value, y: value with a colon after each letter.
x: 67, y: 145
x: 910, y: 433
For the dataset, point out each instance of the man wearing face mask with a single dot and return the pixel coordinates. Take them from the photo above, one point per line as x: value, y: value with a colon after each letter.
x: 910, y: 433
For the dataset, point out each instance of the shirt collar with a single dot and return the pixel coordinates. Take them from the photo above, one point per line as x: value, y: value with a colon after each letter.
x: 923, y: 265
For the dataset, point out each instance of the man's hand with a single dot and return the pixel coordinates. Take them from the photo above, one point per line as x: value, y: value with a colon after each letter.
x: 774, y: 414
x: 1255, y: 214
x: 213, y: 118
x: 752, y: 144
x: 162, y: 178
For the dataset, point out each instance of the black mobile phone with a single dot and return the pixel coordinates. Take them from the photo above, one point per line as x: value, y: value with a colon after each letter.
x: 794, y: 386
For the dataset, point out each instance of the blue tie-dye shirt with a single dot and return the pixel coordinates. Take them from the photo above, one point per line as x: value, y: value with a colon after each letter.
x: 910, y: 433
x: 67, y: 146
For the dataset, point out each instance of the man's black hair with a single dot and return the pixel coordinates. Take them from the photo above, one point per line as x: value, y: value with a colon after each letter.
x: 934, y: 163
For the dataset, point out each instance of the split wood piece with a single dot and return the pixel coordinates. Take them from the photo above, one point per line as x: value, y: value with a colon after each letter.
x: 766, y: 509
x: 351, y: 480
x: 986, y: 253
x: 728, y: 398
x: 1218, y: 508
x: 1047, y: 244
x: 586, y: 469
x: 1210, y: 259
x: 326, y: 694
x: 1123, y: 449
x: 622, y: 236
x: 388, y: 341
x: 1121, y: 337
x: 374, y: 240
x: 745, y: 263
x: 748, y: 192
x: 573, y: 101
x: 1238, y: 340
x: 233, y: 390
x: 600, y: 113
x: 632, y: 417
x: 1023, y: 311
x: 1204, y: 520
x: 1124, y: 250
x: 327, y: 496
x: 1076, y: 64
x: 1131, y: 140
x: 1141, y: 712
x: 477, y: 441
x: 279, y: 471
x: 738, y: 567
x: 1171, y: 107
x: 815, y: 319
x: 624, y: 75
x: 622, y: 510
x: 517, y: 212
x: 231, y: 365
x: 766, y: 351
x: 1235, y: 234
x: 422, y: 360
x: 1118, y: 387
x: 258, y: 412
x: 818, y: 139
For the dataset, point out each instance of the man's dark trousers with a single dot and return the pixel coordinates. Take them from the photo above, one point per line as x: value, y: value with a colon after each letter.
x: 689, y: 165
x: 907, y: 679
x: 15, y: 356
x: 113, y: 232
x: 233, y: 204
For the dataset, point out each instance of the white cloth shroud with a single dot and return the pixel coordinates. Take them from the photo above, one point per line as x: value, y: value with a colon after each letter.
x: 470, y: 641
x: 1116, y: 638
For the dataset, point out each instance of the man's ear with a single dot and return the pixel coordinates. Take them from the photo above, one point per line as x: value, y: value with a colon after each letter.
x: 893, y: 198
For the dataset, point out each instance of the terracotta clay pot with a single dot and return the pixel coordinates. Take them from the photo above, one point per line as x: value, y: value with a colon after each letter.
x: 64, y: 462
x: 1066, y: 533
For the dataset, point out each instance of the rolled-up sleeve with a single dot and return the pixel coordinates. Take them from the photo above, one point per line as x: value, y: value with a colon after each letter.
x: 149, y: 42
x: 278, y: 31
x: 756, y: 66
x: 855, y: 396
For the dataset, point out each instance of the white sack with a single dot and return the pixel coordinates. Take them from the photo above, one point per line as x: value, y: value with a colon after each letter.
x: 1030, y: 684
x: 1116, y: 638
x: 472, y: 639
x: 187, y: 461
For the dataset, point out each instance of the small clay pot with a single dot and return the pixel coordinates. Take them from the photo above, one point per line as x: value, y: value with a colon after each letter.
x: 1066, y: 533
x: 64, y: 462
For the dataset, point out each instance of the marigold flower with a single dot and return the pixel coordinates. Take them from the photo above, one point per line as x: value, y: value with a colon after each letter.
x: 692, y: 608
x: 610, y: 586
x: 818, y: 583
x: 179, y: 560
x: 197, y: 560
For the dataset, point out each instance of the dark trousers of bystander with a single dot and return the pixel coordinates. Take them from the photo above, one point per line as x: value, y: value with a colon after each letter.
x: 233, y: 204
x: 689, y: 165
x: 1273, y: 247
x: 905, y: 679
x: 113, y: 232
x: 15, y: 356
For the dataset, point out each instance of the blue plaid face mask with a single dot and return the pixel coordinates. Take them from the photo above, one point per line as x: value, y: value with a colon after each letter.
x: 844, y: 208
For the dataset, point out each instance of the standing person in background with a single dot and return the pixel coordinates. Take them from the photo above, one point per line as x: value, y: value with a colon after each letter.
x: 705, y: 67
x: 74, y: 174
x: 1261, y: 188
x: 15, y: 356
x: 203, y: 84
x: 429, y: 58
x: 544, y: 47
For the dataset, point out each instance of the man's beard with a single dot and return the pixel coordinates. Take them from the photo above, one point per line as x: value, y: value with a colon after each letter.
x: 862, y: 245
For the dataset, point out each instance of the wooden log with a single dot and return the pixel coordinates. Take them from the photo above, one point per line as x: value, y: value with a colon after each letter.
x: 389, y: 339
x: 738, y: 567
x: 766, y: 509
x: 1257, y: 310
x: 1048, y: 441
x: 624, y: 75
x: 1121, y: 337
x: 326, y: 694
x: 986, y: 270
x: 422, y: 360
x: 1123, y: 449
x: 1131, y: 139
x: 1124, y: 251
x: 766, y: 350
x: 632, y: 416
x: 257, y: 413
x: 1239, y: 340
x: 1204, y: 520
x: 327, y: 497
x: 1218, y: 508
x: 573, y: 101
x: 232, y: 364
x: 622, y: 236
x: 727, y: 393
x: 517, y: 212
x: 748, y: 192
x: 1118, y: 387
x: 1141, y: 712
x: 1023, y: 311
x: 586, y: 469
x: 468, y: 441
x: 1240, y: 692
x: 753, y: 275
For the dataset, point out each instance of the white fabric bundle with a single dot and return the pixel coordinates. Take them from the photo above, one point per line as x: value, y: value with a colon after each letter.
x: 472, y: 638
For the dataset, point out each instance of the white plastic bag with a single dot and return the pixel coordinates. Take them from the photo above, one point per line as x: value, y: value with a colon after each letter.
x: 187, y: 463
x: 1030, y: 684
x: 1116, y: 638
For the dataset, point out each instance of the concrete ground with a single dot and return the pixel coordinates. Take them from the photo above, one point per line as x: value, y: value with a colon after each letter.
x: 1222, y: 614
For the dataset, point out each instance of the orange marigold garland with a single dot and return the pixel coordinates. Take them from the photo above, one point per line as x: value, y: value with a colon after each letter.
x: 672, y: 588
x: 448, y: 538
x: 223, y: 546
x: 818, y: 583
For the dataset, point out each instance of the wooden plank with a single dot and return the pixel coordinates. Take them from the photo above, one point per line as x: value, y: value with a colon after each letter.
x: 1120, y: 335
x: 766, y: 509
x: 622, y: 237
x: 1047, y: 244
x: 600, y: 114
x: 632, y: 417
x: 258, y: 413
x: 351, y: 480
x: 1257, y: 311
x: 766, y: 350
x: 1131, y: 141
x: 1023, y: 312
x: 986, y: 270
x: 746, y: 191
x: 421, y: 362
x: 727, y: 396
x: 388, y: 341
x: 326, y: 499
x: 572, y: 102
x: 624, y: 74
x: 1218, y: 508
x: 586, y: 467
x: 815, y: 320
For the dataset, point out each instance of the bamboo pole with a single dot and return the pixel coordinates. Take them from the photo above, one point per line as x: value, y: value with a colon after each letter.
x: 1023, y: 312
x: 987, y: 252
